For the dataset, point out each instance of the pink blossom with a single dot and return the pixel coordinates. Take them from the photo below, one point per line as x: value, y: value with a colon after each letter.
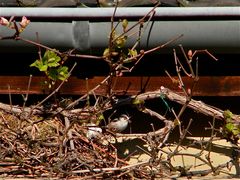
x: 4, y: 21
x: 24, y: 22
x: 190, y: 54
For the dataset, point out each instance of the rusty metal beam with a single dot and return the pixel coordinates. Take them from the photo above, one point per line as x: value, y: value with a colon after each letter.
x: 207, y: 85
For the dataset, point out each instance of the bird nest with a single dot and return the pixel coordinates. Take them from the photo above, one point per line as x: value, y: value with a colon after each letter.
x: 32, y: 146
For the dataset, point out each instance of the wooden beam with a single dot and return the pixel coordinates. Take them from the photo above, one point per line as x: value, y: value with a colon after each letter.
x: 207, y: 85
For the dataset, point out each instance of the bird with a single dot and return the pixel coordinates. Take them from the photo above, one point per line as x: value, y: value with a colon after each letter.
x: 93, y: 132
x: 119, y: 124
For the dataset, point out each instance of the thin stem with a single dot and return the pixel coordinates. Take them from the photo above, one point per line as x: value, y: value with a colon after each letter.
x: 26, y: 96
x: 188, y: 61
x: 90, y: 92
x: 10, y: 97
x: 56, y: 90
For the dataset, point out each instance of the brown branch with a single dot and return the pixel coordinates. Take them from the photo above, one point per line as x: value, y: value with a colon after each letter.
x: 112, y: 169
x: 198, y: 106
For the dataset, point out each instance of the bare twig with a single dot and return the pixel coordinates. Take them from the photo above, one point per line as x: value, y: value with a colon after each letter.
x: 10, y: 96
x: 25, y: 98
x: 69, y: 132
x: 55, y: 90
x: 170, y: 155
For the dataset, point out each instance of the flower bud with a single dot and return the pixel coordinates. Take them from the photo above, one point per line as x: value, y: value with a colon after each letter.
x: 24, y: 23
x: 190, y: 53
x: 4, y: 21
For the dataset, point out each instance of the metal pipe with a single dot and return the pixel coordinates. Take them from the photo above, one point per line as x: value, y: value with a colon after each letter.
x: 222, y: 36
x: 56, y: 35
x: 104, y: 14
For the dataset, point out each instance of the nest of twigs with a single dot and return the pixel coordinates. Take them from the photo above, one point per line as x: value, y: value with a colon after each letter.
x: 44, y: 149
x: 35, y: 142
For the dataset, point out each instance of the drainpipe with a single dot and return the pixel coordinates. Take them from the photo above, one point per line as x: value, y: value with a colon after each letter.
x: 104, y: 14
x: 88, y: 28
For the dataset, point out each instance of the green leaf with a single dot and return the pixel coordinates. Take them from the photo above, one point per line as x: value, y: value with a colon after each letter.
x: 232, y: 128
x: 236, y: 131
x: 62, y: 73
x: 121, y: 41
x: 227, y: 114
x: 106, y: 52
x: 137, y: 101
x: 53, y: 63
x: 36, y: 64
x: 101, y: 117
x: 124, y: 24
x: 229, y: 127
x: 51, y: 59
x: 39, y: 64
x: 43, y: 68
x: 132, y: 52
x: 45, y: 57
x: 53, y: 74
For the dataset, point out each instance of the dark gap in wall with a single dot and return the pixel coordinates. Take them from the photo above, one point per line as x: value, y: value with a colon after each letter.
x: 151, y: 65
